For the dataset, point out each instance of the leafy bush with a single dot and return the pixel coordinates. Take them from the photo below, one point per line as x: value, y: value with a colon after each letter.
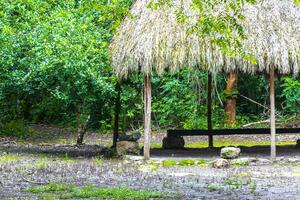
x: 55, y: 61
x: 15, y: 128
x: 291, y: 93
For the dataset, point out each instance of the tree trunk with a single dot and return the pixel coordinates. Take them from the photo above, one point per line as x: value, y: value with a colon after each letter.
x: 230, y: 102
x: 117, y: 114
x: 80, y: 135
x: 272, y: 115
x: 81, y: 128
x: 209, y: 108
x: 147, y: 113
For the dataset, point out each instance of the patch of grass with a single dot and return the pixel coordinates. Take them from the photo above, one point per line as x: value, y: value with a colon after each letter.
x: 66, y: 191
x: 227, y: 142
x: 51, y: 187
x: 253, y: 187
x: 243, y: 174
x: 99, y: 161
x: 236, y: 182
x: 239, y: 162
x: 6, y: 158
x: 296, y: 172
x: 168, y: 163
x: 212, y: 187
x: 66, y: 158
x: 16, y: 128
x: 149, y: 167
x: 41, y: 163
x: 201, y: 162
x: 286, y: 164
x: 186, y: 162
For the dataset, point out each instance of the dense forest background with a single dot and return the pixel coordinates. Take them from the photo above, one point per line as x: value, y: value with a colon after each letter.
x: 55, y: 69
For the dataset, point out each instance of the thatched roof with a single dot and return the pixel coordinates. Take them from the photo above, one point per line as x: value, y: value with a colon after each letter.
x: 154, y: 40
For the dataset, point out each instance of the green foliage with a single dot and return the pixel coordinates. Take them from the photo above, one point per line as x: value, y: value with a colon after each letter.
x: 66, y: 191
x: 291, y: 93
x: 55, y: 59
x: 15, y: 128
x: 230, y: 94
x: 181, y: 99
x: 55, y: 68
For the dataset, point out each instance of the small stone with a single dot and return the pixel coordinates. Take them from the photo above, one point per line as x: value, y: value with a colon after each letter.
x: 220, y: 163
x: 127, y: 147
x: 131, y: 137
x: 264, y: 161
x: 173, y: 143
x: 134, y: 158
x: 230, y: 152
x: 293, y: 160
x: 280, y: 159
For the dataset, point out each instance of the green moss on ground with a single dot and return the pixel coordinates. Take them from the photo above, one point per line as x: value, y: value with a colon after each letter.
x: 185, y: 162
x: 69, y: 191
x: 228, y: 142
x: 7, y: 158
x: 168, y: 163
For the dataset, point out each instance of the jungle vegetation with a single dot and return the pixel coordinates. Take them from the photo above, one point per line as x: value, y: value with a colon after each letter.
x: 55, y: 69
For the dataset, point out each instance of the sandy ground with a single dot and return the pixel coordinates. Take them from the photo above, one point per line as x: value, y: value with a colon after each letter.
x: 261, y: 179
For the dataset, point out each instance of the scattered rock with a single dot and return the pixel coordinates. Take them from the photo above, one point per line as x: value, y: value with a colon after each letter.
x: 173, y: 143
x: 293, y: 160
x: 131, y: 137
x: 127, y: 147
x: 230, y: 152
x: 264, y: 161
x: 220, y: 163
x: 134, y: 158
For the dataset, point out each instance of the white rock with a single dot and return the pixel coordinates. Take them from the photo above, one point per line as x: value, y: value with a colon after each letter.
x: 230, y: 152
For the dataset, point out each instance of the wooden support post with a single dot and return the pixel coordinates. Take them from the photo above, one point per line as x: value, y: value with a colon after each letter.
x: 117, y: 114
x: 209, y: 108
x: 230, y: 102
x: 272, y: 115
x: 147, y: 113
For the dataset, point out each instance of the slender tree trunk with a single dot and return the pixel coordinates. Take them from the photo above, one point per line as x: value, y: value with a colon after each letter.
x: 81, y: 128
x: 80, y: 135
x: 209, y: 108
x: 230, y: 102
x: 117, y: 114
x: 272, y: 116
x: 147, y: 112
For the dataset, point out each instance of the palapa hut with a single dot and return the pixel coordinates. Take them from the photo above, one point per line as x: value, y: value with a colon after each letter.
x: 152, y: 40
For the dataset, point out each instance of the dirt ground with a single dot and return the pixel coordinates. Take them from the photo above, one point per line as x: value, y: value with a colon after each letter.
x: 24, y: 164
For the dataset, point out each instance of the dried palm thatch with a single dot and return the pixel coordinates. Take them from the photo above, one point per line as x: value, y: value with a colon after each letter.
x: 155, y: 40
